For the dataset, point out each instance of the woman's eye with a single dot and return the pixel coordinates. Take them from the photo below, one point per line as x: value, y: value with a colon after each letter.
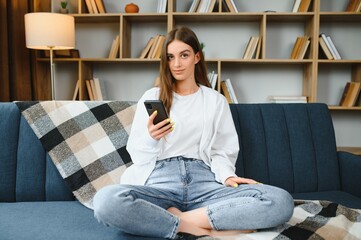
x: 170, y: 57
x: 184, y: 55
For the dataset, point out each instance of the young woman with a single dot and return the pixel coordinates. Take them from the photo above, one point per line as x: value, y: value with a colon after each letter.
x: 183, y: 178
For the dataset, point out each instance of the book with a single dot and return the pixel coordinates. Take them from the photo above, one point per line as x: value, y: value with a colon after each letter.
x: 100, y: 6
x: 153, y: 47
x: 300, y: 47
x: 89, y: 89
x: 251, y: 47
x: 211, y: 6
x: 231, y: 6
x: 94, y: 6
x: 76, y: 90
x: 212, y: 78
x: 226, y: 92
x: 304, y: 5
x: 328, y: 44
x: 258, y: 50
x: 162, y: 6
x: 325, y: 48
x: 353, y: 6
x: 89, y: 6
x: 288, y: 99
x: 115, y: 47
x: 203, y: 6
x: 231, y: 90
x: 296, y: 5
x: 303, y: 48
x: 296, y: 47
x: 333, y: 48
x: 194, y: 6
x: 159, y: 46
x: 99, y: 89
x: 92, y: 86
x: 350, y: 94
x: 146, y: 49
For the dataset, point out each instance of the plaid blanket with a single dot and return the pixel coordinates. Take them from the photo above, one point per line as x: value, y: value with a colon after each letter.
x: 313, y: 220
x: 86, y: 140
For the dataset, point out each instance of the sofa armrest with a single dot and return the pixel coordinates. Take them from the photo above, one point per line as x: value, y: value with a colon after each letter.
x: 350, y: 169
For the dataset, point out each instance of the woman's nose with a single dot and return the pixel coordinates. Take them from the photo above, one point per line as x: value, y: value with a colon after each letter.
x: 177, y: 62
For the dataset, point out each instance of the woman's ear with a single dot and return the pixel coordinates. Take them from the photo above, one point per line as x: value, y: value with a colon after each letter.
x: 197, y: 57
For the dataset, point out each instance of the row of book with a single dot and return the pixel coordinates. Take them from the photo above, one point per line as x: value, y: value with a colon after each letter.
x: 153, y: 49
x: 350, y: 94
x: 95, y: 89
x: 287, y: 99
x: 300, y: 47
x: 212, y: 78
x: 353, y: 6
x: 328, y: 47
x: 95, y: 6
x: 253, y: 48
x: 301, y: 5
x: 202, y: 6
x: 228, y: 91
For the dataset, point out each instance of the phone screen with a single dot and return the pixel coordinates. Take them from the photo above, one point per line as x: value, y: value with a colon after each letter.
x: 153, y: 105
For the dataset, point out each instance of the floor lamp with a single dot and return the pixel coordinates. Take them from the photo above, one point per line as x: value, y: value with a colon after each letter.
x: 49, y: 31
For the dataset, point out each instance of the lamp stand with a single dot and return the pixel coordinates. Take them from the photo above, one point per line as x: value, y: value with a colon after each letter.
x: 52, y: 73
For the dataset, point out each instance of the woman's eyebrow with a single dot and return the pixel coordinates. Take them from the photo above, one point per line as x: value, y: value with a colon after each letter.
x: 184, y: 51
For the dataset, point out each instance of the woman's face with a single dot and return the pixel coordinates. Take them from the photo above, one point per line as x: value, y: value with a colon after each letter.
x: 182, y: 60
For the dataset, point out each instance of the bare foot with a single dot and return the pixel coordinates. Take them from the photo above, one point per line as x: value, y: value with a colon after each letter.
x: 191, y: 222
x: 174, y: 211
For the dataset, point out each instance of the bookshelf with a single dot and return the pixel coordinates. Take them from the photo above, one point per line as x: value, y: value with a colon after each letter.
x: 225, y: 36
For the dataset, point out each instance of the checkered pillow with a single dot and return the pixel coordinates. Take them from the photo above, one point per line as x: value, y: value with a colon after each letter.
x: 86, y: 140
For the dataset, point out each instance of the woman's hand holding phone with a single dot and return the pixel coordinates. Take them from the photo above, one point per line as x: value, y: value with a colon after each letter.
x: 160, y: 129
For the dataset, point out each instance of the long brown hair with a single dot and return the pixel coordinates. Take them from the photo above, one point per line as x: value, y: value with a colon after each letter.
x: 167, y: 81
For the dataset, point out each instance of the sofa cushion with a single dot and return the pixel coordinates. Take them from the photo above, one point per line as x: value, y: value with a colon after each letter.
x: 26, y: 171
x: 66, y: 220
x: 85, y: 139
x: 291, y: 146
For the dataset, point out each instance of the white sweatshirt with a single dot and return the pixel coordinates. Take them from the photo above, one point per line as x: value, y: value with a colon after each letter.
x: 217, y: 139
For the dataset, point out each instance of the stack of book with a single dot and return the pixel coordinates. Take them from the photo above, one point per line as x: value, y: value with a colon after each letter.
x: 153, y: 49
x: 230, y: 6
x: 95, y: 6
x: 212, y: 78
x: 96, y: 90
x: 288, y: 99
x: 228, y: 91
x: 113, y: 53
x: 350, y: 94
x: 253, y: 48
x: 353, y: 6
x: 300, y: 47
x: 301, y: 5
x: 202, y: 6
x: 329, y: 47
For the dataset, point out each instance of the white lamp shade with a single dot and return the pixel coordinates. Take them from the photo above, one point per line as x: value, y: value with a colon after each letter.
x: 49, y: 30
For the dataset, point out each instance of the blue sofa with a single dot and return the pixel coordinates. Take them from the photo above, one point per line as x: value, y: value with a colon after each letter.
x: 291, y: 146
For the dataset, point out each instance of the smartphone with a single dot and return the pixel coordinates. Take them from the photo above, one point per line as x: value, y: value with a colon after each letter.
x: 152, y: 105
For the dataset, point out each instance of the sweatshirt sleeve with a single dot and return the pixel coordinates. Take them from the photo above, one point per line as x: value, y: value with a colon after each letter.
x: 225, y: 147
x: 142, y: 148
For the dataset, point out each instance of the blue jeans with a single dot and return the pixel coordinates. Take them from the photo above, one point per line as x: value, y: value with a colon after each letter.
x: 189, y: 184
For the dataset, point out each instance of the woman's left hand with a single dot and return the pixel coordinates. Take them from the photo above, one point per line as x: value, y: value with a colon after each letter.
x: 235, y: 181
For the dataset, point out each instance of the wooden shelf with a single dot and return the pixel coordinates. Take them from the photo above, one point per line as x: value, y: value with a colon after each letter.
x: 340, y: 108
x: 225, y: 36
x: 354, y: 150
